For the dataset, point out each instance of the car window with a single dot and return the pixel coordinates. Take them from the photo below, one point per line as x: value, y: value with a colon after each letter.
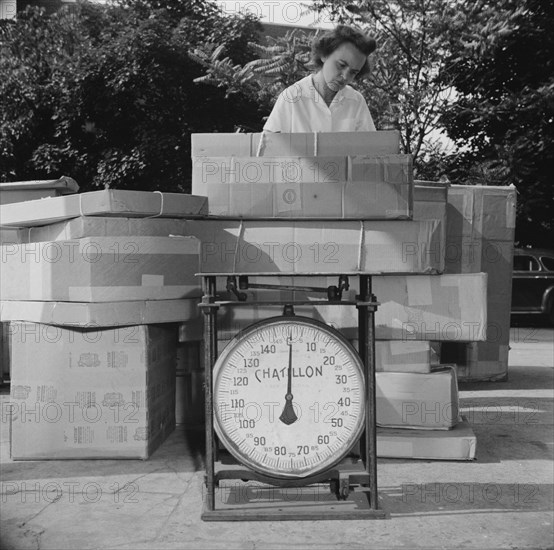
x: 525, y: 263
x: 548, y: 262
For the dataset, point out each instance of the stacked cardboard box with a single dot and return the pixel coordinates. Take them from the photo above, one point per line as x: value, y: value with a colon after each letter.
x: 349, y: 208
x: 19, y: 191
x: 479, y: 239
x: 94, y: 287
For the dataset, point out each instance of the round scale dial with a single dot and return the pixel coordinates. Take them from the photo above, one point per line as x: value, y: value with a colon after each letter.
x: 288, y: 397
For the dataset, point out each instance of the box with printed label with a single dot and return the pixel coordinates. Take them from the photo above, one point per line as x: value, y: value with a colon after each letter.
x: 78, y: 393
x: 101, y: 269
x: 355, y: 187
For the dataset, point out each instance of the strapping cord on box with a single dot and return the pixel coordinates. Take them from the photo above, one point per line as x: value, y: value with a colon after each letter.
x: 161, y: 207
x: 260, y: 145
x: 237, y: 247
x: 361, y: 245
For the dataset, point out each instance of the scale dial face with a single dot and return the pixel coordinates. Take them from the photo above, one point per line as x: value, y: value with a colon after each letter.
x: 289, y: 397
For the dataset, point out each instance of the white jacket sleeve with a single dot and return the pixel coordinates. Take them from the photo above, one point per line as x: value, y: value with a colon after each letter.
x: 364, y: 121
x: 280, y: 118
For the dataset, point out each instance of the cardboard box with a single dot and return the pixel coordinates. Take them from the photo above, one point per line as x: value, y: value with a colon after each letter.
x: 459, y: 443
x: 404, y: 355
x: 480, y: 238
x: 312, y: 247
x: 306, y: 187
x: 107, y: 202
x: 479, y: 361
x: 18, y: 191
x: 103, y: 314
x: 412, y: 307
x: 296, y: 144
x: 101, y: 269
x: 482, y: 211
x: 417, y: 400
x: 421, y: 307
x: 9, y: 197
x: 95, y: 226
x: 91, y: 393
x: 430, y: 200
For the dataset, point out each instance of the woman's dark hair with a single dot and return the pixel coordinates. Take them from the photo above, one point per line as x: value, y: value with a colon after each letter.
x: 331, y: 40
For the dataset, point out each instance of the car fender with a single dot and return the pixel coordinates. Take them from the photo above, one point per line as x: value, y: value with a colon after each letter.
x: 546, y: 297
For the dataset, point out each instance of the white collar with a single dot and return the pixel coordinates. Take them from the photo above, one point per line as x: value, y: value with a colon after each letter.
x: 307, y: 84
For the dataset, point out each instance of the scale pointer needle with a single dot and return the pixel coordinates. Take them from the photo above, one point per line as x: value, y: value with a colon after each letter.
x: 288, y: 416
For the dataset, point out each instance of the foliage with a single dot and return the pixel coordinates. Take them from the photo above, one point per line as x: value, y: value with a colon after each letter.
x: 106, y: 93
x: 502, y: 64
x: 283, y: 61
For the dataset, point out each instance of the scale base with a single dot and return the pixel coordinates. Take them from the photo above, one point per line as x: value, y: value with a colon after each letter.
x: 250, y: 498
x: 315, y: 502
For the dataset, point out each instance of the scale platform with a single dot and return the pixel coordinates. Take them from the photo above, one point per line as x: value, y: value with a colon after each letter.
x: 249, y: 498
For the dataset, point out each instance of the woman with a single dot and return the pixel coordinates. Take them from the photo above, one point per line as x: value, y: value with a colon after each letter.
x: 324, y: 101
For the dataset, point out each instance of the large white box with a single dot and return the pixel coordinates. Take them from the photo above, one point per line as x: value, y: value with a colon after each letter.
x: 103, y: 314
x: 312, y: 247
x: 404, y: 355
x: 91, y: 393
x: 417, y: 400
x: 480, y: 238
x: 101, y: 269
x: 353, y: 187
x: 412, y: 307
x: 459, y: 443
x: 420, y: 307
x: 94, y: 226
x: 271, y: 144
x: 19, y: 191
x: 108, y: 202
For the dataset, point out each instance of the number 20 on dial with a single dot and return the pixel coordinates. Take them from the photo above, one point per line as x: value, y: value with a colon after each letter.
x: 288, y: 397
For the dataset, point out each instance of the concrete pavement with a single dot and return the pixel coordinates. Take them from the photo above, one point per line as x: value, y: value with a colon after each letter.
x: 504, y: 499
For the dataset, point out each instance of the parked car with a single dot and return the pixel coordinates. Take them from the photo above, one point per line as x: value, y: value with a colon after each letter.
x: 533, y: 282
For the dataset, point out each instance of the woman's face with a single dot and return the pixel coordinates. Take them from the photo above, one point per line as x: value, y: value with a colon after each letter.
x: 342, y: 66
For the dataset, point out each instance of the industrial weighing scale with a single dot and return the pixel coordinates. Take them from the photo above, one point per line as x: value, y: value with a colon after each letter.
x: 290, y: 410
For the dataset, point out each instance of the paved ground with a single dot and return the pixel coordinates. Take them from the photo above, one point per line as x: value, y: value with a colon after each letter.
x: 504, y: 499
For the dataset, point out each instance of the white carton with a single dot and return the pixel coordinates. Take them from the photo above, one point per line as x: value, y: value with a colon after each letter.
x: 353, y: 187
x: 108, y: 202
x: 459, y: 443
x: 297, y: 144
x: 312, y: 247
x: 101, y: 269
x: 417, y: 400
x: 102, y: 314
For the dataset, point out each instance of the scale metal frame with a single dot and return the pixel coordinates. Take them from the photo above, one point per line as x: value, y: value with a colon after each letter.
x: 346, y: 480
